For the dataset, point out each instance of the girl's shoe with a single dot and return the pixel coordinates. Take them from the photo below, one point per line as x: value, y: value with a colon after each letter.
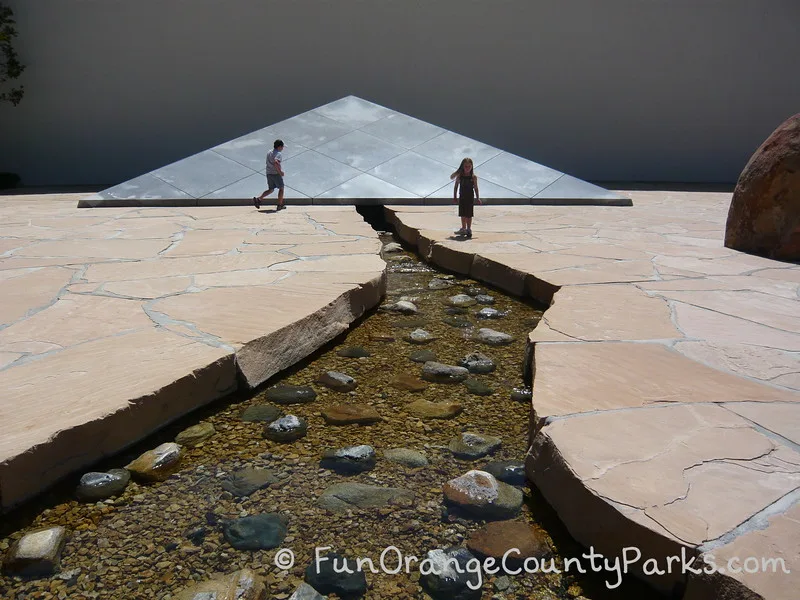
x: 469, y: 234
x: 461, y: 231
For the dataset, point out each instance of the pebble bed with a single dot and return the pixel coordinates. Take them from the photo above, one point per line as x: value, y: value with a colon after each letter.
x: 157, y: 538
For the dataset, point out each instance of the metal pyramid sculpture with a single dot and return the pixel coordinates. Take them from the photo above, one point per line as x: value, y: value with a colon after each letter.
x: 351, y: 151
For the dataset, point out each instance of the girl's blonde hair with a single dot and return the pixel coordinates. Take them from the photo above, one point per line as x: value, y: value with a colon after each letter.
x: 460, y: 170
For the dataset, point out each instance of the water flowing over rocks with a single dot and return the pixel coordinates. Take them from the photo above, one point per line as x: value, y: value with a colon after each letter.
x: 324, y: 577
x: 441, y: 373
x: 350, y: 414
x: 448, y: 582
x: 239, y: 585
x: 480, y: 494
x: 37, y: 553
x: 286, y: 429
x: 291, y: 394
x: 350, y: 460
x: 256, y: 532
x: 194, y: 435
x: 346, y: 496
x: 95, y: 486
x: 338, y: 382
x: 477, y: 363
x: 406, y: 457
x: 157, y: 464
x: 493, y: 338
x: 471, y: 446
x: 439, y: 284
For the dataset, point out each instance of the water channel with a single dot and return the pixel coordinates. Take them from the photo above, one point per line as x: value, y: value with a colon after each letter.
x: 155, y: 539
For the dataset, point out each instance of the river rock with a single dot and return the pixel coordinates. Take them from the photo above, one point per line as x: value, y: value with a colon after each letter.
x: 434, y: 410
x: 477, y: 363
x: 423, y: 356
x: 286, y: 429
x: 441, y: 373
x: 498, y: 537
x: 322, y: 576
x: 37, y: 553
x: 474, y: 291
x: 511, y: 472
x: 406, y: 457
x: 457, y: 322
x: 404, y: 307
x: 481, y: 495
x: 489, y: 313
x: 764, y: 216
x: 471, y: 445
x: 244, y: 482
x: 342, y: 497
x: 354, y: 352
x: 456, y: 310
x: 392, y: 247
x: 408, y: 383
x: 239, y: 585
x: 484, y: 299
x: 261, y: 413
x: 349, y: 414
x: 419, y: 336
x: 439, y: 284
x: 306, y: 592
x: 462, y: 300
x: 522, y: 394
x: 338, y: 382
x: 95, y: 486
x: 196, y: 434
x: 291, y: 394
x: 350, y: 460
x: 157, y: 464
x: 493, y: 338
x: 445, y: 581
x: 256, y: 532
x: 477, y: 387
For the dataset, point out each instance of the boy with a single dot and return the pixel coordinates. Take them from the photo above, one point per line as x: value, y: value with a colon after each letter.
x: 274, y: 176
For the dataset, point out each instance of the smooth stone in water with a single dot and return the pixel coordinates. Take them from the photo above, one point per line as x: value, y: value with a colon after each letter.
x: 420, y: 336
x: 439, y: 284
x: 256, y: 532
x: 423, y: 356
x: 489, y: 313
x: 459, y: 323
x: 261, y: 413
x: 478, y: 388
x: 406, y: 457
x: 291, y: 394
x: 322, y: 576
x: 477, y: 363
x: 481, y: 495
x: 342, y: 497
x: 522, y: 394
x: 400, y: 259
x: 244, y: 482
x: 494, y: 338
x: 461, y: 300
x: 511, y: 472
x: 496, y: 538
x: 434, y: 410
x: 456, y: 310
x: 353, y: 352
x: 348, y: 414
x: 474, y: 291
x: 306, y: 592
x: 286, y: 429
x: 157, y: 464
x: 37, y: 553
x: 239, y: 585
x: 99, y: 486
x: 471, y: 445
x: 338, y: 382
x: 445, y: 581
x: 194, y: 435
x: 408, y: 383
x: 392, y: 247
x: 403, y: 307
x: 441, y: 373
x: 353, y: 459
x: 484, y: 299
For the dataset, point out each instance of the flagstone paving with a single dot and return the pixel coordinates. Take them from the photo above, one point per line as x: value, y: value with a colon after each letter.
x: 666, y: 404
x: 116, y: 321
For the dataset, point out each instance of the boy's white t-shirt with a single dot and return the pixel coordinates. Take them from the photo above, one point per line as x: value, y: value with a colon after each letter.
x: 273, y: 156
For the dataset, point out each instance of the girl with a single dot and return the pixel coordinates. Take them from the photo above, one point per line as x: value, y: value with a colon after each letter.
x: 468, y: 182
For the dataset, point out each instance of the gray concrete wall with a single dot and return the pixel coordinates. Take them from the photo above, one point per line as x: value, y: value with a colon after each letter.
x: 648, y: 90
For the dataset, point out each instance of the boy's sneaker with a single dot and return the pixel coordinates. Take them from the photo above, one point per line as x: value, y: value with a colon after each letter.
x: 256, y: 202
x: 469, y: 234
x: 461, y: 231
x: 280, y: 207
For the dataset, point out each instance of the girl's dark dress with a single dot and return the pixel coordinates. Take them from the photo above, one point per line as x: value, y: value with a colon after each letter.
x: 466, y: 195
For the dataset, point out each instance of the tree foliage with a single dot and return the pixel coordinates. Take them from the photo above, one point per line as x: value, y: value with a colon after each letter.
x: 10, y: 67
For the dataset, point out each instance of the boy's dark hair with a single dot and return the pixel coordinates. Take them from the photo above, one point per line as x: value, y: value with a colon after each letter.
x: 277, y: 144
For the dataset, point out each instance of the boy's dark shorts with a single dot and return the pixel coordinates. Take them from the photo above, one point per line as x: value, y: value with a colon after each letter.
x: 274, y: 181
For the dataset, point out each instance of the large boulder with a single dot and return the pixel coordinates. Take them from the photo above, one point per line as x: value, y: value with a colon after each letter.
x: 764, y: 217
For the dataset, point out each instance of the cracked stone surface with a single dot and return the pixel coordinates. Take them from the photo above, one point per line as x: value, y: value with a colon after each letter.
x: 119, y: 320
x: 666, y: 375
